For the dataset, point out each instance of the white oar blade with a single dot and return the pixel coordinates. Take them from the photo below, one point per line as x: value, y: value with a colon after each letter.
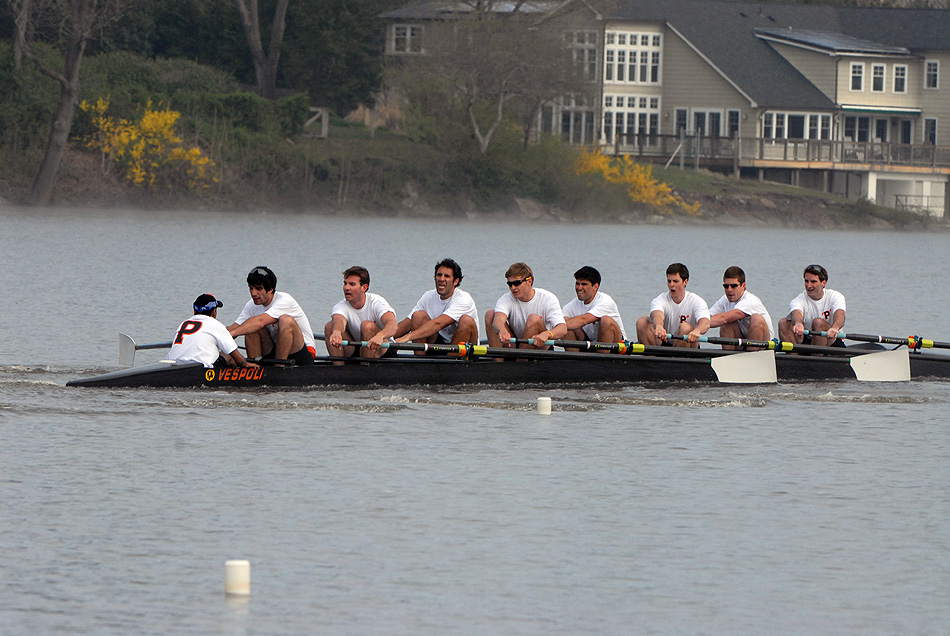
x: 883, y: 366
x: 126, y: 350
x: 752, y: 367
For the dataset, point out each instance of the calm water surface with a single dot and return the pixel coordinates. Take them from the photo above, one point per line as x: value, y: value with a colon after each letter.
x: 790, y: 509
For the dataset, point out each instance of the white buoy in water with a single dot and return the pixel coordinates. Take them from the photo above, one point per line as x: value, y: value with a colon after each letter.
x: 544, y: 406
x: 237, y: 577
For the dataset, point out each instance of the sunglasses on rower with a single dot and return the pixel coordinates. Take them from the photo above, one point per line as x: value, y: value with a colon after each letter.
x: 730, y: 285
x: 516, y: 283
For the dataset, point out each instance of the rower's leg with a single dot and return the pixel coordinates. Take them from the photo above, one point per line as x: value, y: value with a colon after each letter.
x: 684, y: 329
x: 575, y: 334
x: 609, y: 331
x: 418, y: 319
x: 289, y: 337
x: 368, y: 329
x: 785, y: 332
x: 258, y: 344
x: 533, y: 326
x: 645, y: 335
x: 758, y: 329
x: 730, y: 330
x: 820, y: 324
x: 466, y: 331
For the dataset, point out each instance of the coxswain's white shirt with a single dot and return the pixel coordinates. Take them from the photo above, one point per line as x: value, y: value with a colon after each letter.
x: 283, y: 304
x: 459, y: 304
x: 825, y: 308
x: 544, y: 304
x: 600, y: 305
x: 201, y: 339
x: 748, y: 304
x: 373, y: 310
x: 691, y: 310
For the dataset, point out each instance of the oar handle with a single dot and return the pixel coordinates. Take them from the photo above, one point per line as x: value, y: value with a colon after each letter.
x: 914, y: 342
x: 587, y: 345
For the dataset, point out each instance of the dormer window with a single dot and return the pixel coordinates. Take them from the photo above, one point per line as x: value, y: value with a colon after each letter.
x: 406, y: 38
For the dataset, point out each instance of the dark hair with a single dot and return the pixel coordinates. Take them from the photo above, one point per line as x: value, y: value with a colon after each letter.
x: 678, y: 268
x: 262, y: 276
x: 452, y: 265
x: 734, y: 271
x: 588, y: 273
x: 356, y: 270
x: 818, y: 271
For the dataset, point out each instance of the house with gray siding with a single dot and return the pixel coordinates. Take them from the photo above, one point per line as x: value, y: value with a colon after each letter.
x: 844, y: 99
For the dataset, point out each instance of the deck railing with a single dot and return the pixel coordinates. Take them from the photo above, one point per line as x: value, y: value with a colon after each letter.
x: 747, y: 151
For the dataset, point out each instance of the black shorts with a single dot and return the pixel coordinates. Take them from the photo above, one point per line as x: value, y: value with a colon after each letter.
x: 806, y: 340
x: 302, y: 356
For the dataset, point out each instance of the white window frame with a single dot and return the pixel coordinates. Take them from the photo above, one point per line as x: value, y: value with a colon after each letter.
x: 900, y: 75
x: 415, y: 33
x: 934, y: 73
x: 640, y: 116
x: 857, y: 73
x: 636, y: 58
x: 878, y: 78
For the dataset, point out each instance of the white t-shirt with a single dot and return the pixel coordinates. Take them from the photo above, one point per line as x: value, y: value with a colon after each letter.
x: 459, y: 304
x: 691, y: 310
x: 748, y: 304
x: 282, y: 304
x: 601, y: 305
x: 373, y: 309
x: 201, y: 339
x: 825, y: 308
x: 544, y: 304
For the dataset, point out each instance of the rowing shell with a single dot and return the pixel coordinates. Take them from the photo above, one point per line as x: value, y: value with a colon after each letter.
x: 410, y: 370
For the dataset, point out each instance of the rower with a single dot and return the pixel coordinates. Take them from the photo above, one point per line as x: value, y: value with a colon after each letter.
x: 360, y: 316
x: 272, y: 323
x: 202, y: 338
x: 815, y: 309
x: 525, y: 312
x: 740, y: 313
x: 677, y: 311
x: 444, y: 315
x: 592, y: 316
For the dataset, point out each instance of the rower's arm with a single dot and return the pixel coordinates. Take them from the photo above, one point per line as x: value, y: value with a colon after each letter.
x: 576, y: 322
x: 733, y: 315
x: 657, y: 317
x: 337, y: 325
x: 798, y: 322
x: 429, y: 328
x: 837, y: 324
x: 702, y: 326
x: 558, y: 331
x: 252, y: 324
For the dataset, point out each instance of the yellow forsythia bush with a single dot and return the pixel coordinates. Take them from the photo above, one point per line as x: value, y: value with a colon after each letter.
x: 637, y: 178
x: 147, y: 153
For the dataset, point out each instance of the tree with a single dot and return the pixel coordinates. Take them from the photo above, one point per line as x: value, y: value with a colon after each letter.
x: 333, y: 52
x: 265, y: 63
x: 76, y: 21
x: 494, y: 61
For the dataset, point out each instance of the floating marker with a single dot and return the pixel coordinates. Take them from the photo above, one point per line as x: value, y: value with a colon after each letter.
x: 544, y: 406
x: 237, y: 578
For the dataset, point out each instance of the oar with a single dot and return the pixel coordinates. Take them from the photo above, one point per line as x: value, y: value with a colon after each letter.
x: 914, y: 342
x: 868, y: 366
x: 127, y: 349
x: 747, y: 367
